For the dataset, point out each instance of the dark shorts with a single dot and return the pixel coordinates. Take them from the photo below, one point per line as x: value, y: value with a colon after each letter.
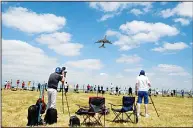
x: 66, y: 89
x: 141, y: 95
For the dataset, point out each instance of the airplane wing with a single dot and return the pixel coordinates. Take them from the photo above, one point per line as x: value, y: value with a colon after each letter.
x: 107, y: 41
x: 99, y: 41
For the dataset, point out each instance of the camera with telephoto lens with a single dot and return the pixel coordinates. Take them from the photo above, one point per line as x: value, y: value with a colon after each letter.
x: 64, y: 69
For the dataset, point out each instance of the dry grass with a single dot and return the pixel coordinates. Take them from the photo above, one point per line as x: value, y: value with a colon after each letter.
x: 174, y: 111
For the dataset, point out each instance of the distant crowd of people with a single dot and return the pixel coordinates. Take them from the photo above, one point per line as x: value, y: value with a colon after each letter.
x: 100, y: 89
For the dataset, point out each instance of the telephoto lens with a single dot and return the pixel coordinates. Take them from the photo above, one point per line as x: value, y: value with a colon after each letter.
x: 63, y: 68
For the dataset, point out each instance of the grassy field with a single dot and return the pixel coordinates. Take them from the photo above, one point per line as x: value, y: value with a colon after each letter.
x: 173, y: 111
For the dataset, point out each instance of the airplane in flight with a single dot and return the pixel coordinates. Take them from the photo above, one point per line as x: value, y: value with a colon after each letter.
x: 103, y: 41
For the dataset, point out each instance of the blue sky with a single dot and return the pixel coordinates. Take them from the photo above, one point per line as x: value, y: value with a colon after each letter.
x: 153, y: 36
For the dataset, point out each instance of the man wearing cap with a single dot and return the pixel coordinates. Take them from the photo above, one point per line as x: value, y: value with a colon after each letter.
x: 53, y: 85
x: 142, y: 85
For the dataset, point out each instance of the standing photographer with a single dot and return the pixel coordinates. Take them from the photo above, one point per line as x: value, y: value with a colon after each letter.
x: 53, y: 81
x: 142, y: 85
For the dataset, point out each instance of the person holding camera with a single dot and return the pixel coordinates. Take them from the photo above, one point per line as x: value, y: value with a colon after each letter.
x: 142, y: 85
x: 53, y: 81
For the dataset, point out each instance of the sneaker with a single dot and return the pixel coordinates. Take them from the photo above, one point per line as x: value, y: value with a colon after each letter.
x: 146, y: 115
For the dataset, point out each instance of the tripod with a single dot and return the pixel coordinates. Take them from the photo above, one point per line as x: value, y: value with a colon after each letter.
x: 153, y: 105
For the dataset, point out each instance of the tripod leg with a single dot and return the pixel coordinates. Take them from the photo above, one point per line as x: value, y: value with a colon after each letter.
x: 154, y: 106
x: 67, y: 105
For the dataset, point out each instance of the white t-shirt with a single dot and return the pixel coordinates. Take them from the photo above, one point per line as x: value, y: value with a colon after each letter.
x: 142, y: 82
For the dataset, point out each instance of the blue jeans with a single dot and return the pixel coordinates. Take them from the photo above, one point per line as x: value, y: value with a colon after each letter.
x: 141, y: 95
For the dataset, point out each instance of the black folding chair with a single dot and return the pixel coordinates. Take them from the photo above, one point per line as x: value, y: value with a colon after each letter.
x: 128, y: 108
x: 92, y: 115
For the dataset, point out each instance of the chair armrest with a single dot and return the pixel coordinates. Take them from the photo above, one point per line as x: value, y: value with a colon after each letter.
x: 82, y: 106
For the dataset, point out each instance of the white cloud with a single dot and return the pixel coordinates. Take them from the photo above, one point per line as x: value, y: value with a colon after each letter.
x: 134, y: 33
x: 158, y: 29
x: 128, y: 59
x: 112, y: 9
x: 60, y: 42
x: 108, y: 6
x: 112, y: 33
x: 150, y: 74
x: 106, y: 16
x: 28, y: 21
x: 183, y: 9
x: 167, y: 13
x: 119, y: 75
x: 136, y: 12
x: 172, y: 70
x: 103, y: 74
x: 91, y: 64
x: 179, y: 74
x: 183, y: 21
x: 171, y: 47
x: 24, y: 61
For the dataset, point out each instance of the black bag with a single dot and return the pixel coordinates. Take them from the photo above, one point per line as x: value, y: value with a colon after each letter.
x: 74, y: 121
x: 32, y: 115
x: 51, y: 116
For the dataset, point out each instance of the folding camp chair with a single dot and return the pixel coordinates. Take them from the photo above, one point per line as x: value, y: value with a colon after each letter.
x: 128, y: 108
x: 92, y: 115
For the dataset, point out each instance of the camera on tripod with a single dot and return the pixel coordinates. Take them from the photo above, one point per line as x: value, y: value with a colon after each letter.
x: 63, y: 69
x: 149, y: 92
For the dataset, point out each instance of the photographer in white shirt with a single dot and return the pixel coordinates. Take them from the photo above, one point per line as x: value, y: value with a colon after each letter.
x: 142, y: 85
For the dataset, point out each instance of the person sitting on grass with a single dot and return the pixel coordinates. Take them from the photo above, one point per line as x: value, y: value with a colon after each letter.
x: 142, y: 85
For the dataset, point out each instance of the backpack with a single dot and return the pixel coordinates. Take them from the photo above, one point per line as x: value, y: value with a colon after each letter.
x: 74, y: 121
x: 32, y: 115
x: 51, y: 116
